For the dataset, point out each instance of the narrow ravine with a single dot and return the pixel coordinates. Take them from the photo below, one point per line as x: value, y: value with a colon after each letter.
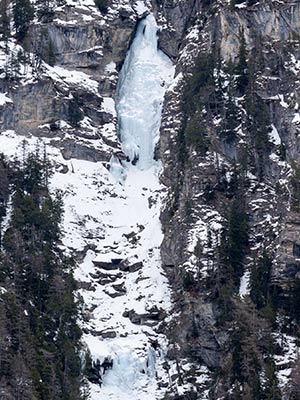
x: 132, y: 293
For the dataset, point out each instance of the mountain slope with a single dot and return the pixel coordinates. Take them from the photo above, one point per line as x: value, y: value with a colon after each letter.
x: 191, y: 258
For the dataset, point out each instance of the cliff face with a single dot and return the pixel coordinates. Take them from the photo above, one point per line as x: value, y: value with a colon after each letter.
x: 230, y: 180
x: 202, y: 200
x: 78, y: 39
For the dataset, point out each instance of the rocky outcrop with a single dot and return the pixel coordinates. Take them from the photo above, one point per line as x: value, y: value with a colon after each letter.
x: 84, y: 39
x: 55, y: 102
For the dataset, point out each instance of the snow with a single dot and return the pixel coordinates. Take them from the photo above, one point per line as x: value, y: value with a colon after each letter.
x: 245, y: 284
x: 58, y: 21
x: 120, y: 214
x: 98, y: 212
x: 129, y: 208
x: 7, y: 218
x: 4, y: 99
x: 296, y: 119
x: 80, y: 79
x: 115, y: 213
x: 274, y: 136
x: 283, y: 103
x: 111, y: 67
x: 284, y: 361
x: 140, y: 8
x: 2, y: 290
x: 108, y: 105
x: 82, y: 3
x: 240, y: 6
x: 293, y: 65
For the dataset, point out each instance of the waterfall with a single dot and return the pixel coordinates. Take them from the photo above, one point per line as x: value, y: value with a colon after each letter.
x: 144, y: 77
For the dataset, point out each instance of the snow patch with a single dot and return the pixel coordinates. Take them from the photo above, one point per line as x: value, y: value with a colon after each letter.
x: 274, y: 136
x: 4, y: 99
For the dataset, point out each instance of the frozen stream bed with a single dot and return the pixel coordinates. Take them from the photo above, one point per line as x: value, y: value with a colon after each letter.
x: 128, y: 308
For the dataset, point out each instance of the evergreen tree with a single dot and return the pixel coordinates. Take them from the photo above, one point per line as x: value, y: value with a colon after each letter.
x: 230, y: 120
x: 75, y: 113
x: 258, y: 121
x: 23, y: 13
x: 294, y: 387
x: 242, y: 66
x: 4, y: 22
x: 198, y: 97
x: 102, y: 5
x: 237, y: 238
x: 260, y: 281
x: 51, y: 59
x: 271, y: 389
x: 259, y: 127
x: 294, y: 300
x: 196, y: 133
x: 45, y: 11
x: 251, y: 349
x: 15, y: 67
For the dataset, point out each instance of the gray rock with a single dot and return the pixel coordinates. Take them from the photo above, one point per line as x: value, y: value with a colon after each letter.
x: 108, y: 266
x: 108, y: 334
x: 135, y: 267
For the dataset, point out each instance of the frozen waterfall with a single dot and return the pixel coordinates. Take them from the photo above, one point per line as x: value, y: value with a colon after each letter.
x: 144, y: 78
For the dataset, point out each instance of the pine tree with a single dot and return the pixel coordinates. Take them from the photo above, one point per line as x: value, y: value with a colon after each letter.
x: 242, y: 66
x: 295, y: 184
x: 258, y: 121
x: 4, y: 22
x: 75, y: 113
x: 271, y: 389
x: 45, y: 11
x: 230, y: 119
x: 260, y: 281
x: 294, y: 386
x: 102, y: 5
x: 237, y: 238
x: 23, y: 13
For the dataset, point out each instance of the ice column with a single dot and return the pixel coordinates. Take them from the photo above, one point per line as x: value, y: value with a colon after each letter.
x: 145, y: 75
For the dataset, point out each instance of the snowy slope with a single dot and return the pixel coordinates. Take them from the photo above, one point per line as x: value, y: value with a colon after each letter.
x: 133, y: 232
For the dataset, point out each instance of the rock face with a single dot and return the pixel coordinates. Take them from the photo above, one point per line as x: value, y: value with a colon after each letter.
x: 198, y: 201
x: 76, y: 39
x: 83, y: 39
x: 64, y: 93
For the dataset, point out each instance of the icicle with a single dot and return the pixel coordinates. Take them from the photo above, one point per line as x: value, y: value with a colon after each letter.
x: 117, y: 170
x: 151, y: 362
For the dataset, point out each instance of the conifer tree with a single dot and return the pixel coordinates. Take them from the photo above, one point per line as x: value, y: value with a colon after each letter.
x: 4, y: 22
x: 102, y: 5
x: 237, y: 237
x: 75, y: 113
x: 260, y: 281
x: 242, y: 66
x: 45, y: 10
x: 23, y: 13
